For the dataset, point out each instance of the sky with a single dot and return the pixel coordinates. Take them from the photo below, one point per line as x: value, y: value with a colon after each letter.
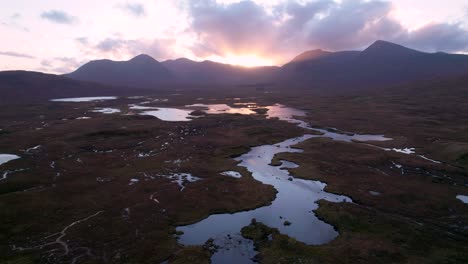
x: 57, y: 36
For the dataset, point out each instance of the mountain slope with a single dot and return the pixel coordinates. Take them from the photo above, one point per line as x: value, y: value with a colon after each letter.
x: 381, y: 64
x: 217, y: 73
x: 28, y: 87
x: 142, y: 71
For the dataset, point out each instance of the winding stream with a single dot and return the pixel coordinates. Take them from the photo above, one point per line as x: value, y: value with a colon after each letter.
x: 295, y: 201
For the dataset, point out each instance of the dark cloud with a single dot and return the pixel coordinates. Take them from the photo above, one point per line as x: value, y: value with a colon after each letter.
x: 16, y: 54
x: 293, y: 26
x: 235, y: 28
x: 352, y: 24
x: 135, y: 9
x: 58, y: 16
x: 439, y: 37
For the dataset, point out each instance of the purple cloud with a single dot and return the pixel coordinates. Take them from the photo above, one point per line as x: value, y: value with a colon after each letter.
x: 16, y: 54
x: 295, y: 26
x: 58, y: 16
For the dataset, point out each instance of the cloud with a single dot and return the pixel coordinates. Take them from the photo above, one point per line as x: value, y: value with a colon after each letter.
x: 236, y: 27
x: 82, y: 40
x: 134, y: 9
x: 16, y: 16
x: 110, y: 44
x: 439, y: 37
x: 46, y: 63
x: 120, y: 48
x: 58, y: 16
x: 14, y: 22
x: 291, y: 26
x: 60, y: 65
x: 16, y: 54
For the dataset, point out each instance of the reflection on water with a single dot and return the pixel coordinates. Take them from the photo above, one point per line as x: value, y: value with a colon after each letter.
x: 4, y: 158
x: 463, y: 198
x: 223, y: 109
x: 106, y: 110
x: 233, y: 174
x: 295, y: 201
x: 84, y: 99
x: 170, y: 114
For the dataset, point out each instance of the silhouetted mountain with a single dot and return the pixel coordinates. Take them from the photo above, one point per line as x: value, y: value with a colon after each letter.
x: 27, y: 87
x: 210, y: 72
x: 145, y: 72
x: 311, y: 55
x: 142, y: 71
x: 381, y: 64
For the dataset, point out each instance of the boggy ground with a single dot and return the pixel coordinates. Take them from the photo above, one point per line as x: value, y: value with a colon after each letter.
x: 82, y: 172
x: 404, y: 209
x: 405, y: 214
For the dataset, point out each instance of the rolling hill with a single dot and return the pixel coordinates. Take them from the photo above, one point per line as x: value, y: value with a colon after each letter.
x: 29, y: 87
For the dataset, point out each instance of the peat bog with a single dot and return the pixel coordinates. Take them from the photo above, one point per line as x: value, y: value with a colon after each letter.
x: 96, y: 185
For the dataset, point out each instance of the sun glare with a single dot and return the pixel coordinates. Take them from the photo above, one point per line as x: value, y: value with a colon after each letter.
x: 243, y: 60
x: 248, y: 60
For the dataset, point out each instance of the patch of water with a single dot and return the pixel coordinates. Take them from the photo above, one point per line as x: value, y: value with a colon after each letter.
x: 170, y: 114
x: 181, y: 179
x: 84, y: 99
x: 133, y: 181
x: 33, y: 149
x: 288, y: 114
x: 303, y: 194
x: 407, y: 151
x: 223, y: 109
x: 4, y: 158
x: 428, y: 159
x: 463, y: 198
x: 140, y: 107
x: 233, y: 174
x: 295, y: 201
x: 106, y: 110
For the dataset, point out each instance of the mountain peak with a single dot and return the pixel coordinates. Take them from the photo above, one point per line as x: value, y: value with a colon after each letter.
x: 382, y: 47
x: 310, y: 55
x: 143, y: 58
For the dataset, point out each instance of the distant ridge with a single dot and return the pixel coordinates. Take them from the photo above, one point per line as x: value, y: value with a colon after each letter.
x: 381, y: 64
x: 142, y: 71
x: 212, y: 72
x: 18, y: 87
x: 311, y: 55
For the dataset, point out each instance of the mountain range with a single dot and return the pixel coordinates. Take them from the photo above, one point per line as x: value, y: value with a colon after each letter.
x: 381, y: 64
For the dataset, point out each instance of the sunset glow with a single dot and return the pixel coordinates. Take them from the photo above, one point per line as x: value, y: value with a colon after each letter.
x: 250, y: 60
x: 68, y: 34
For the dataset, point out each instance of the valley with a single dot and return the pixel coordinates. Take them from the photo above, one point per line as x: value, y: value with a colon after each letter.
x: 125, y: 186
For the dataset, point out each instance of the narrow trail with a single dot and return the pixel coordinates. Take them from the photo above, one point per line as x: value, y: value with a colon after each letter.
x: 54, y: 256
